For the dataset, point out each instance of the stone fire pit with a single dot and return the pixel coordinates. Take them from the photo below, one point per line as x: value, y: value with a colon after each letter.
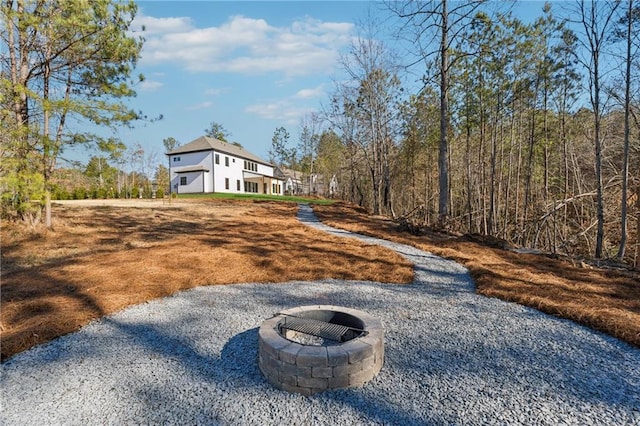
x: 310, y: 349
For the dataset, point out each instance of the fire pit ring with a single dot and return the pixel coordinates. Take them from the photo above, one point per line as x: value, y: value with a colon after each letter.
x: 310, y: 349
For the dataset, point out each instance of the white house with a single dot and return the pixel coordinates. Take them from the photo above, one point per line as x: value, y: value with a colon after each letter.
x: 297, y: 182
x: 210, y: 165
x: 293, y: 181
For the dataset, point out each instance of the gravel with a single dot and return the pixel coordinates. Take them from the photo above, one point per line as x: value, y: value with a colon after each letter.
x: 452, y: 357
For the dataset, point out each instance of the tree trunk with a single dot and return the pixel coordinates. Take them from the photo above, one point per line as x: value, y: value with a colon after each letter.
x: 636, y: 260
x: 46, y: 140
x: 518, y: 175
x: 443, y: 160
x: 598, y: 161
x: 530, y: 165
x: 625, y: 161
x: 467, y: 159
x: 492, y: 188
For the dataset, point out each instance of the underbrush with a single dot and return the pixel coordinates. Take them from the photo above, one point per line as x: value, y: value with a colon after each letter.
x: 605, y: 299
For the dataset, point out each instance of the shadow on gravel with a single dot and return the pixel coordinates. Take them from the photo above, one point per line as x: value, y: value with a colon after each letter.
x: 153, y: 338
x: 233, y: 374
x: 238, y: 364
x: 235, y: 366
x: 321, y: 295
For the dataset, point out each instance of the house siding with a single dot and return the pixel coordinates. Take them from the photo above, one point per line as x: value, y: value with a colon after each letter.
x: 233, y: 172
x: 200, y: 172
x: 196, y: 181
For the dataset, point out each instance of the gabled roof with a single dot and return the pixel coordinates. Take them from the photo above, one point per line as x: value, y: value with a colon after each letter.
x: 205, y: 143
x: 278, y: 173
x: 296, y: 174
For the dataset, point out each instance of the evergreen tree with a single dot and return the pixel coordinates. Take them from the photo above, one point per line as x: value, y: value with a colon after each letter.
x: 217, y: 131
x: 65, y: 59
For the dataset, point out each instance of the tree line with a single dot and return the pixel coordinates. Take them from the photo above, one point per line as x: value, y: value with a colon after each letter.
x: 131, y: 173
x: 524, y: 131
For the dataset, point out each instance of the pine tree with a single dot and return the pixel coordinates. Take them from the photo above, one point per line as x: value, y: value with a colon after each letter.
x: 65, y: 59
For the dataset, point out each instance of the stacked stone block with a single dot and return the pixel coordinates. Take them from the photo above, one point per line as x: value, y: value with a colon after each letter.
x: 306, y: 369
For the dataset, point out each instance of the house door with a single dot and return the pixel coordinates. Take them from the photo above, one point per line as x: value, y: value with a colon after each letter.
x: 265, y: 188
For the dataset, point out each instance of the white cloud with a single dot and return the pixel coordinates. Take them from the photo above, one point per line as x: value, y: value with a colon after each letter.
x: 283, y: 110
x: 153, y: 26
x: 245, y: 45
x: 316, y: 92
x: 289, y: 110
x: 150, y: 85
x: 201, y: 105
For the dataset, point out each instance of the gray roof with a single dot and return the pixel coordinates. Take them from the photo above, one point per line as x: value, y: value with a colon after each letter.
x: 205, y: 143
x: 278, y: 173
x: 292, y: 173
x: 192, y: 169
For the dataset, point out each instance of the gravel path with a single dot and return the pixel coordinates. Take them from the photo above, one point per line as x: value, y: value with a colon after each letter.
x: 452, y: 357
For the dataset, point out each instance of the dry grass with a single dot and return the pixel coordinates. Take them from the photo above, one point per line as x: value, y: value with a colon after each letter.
x: 604, y: 299
x: 98, y: 260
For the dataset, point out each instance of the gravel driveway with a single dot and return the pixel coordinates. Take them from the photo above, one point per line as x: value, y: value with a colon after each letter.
x: 452, y: 357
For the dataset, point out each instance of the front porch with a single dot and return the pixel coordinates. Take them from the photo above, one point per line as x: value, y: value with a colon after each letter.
x: 259, y: 184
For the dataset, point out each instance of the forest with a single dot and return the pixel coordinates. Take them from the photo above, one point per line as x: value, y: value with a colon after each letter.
x: 528, y: 132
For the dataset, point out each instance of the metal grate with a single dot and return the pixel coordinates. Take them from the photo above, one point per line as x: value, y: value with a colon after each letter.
x: 326, y: 330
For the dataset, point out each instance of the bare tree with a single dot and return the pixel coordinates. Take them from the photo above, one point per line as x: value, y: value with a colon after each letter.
x: 431, y: 20
x: 627, y: 109
x: 596, y: 19
x: 372, y: 95
x: 308, y: 146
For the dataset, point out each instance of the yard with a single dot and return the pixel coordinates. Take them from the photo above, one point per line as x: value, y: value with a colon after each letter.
x: 607, y: 299
x: 99, y: 259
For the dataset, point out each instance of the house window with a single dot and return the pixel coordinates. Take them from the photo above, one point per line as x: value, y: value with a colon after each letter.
x: 183, y: 180
x: 217, y: 159
x: 251, y: 166
x: 226, y: 183
x: 226, y: 161
x: 176, y: 159
x: 251, y: 187
x: 238, y: 185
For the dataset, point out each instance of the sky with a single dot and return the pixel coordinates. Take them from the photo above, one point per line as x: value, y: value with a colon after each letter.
x: 251, y: 66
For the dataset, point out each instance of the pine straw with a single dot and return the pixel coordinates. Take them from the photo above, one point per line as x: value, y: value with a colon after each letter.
x: 604, y: 299
x: 99, y: 260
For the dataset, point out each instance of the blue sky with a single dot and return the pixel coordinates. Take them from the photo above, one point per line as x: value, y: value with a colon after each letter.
x: 251, y: 66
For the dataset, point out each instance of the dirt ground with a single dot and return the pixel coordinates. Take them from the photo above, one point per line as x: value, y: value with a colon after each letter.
x: 606, y: 299
x: 102, y: 256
